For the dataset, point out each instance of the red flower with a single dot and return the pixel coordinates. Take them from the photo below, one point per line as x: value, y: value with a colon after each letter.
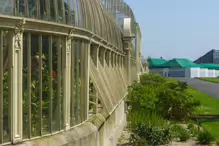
x: 54, y: 74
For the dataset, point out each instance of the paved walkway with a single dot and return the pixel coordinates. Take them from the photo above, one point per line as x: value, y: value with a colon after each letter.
x: 209, y: 88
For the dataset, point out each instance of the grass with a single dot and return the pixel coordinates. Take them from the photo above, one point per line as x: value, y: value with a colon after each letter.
x: 209, y: 107
x: 214, y: 80
x: 212, y: 126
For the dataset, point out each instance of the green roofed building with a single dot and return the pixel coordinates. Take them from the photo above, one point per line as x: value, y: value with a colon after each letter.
x: 210, y: 66
x: 180, y: 63
x: 156, y: 62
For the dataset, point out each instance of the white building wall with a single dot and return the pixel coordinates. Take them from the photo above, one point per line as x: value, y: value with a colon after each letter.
x: 203, y: 72
x: 216, y: 73
x: 192, y: 72
x: 211, y: 73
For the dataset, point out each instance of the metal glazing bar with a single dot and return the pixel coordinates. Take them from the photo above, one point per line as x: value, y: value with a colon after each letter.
x: 77, y: 83
x: 40, y: 83
x: 83, y: 14
x: 1, y: 87
x: 48, y: 7
x: 88, y: 15
x: 29, y: 83
x: 86, y: 79
x: 26, y: 8
x: 97, y: 16
x: 72, y: 82
x: 38, y: 9
x: 93, y: 16
x: 82, y: 97
x: 56, y: 9
x: 101, y: 18
x: 50, y: 84
x: 58, y: 120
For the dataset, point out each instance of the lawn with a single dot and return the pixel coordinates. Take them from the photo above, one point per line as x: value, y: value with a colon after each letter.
x: 214, y: 80
x: 209, y: 106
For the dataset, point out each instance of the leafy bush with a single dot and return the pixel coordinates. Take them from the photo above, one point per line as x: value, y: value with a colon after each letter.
x: 174, y: 102
x: 180, y: 133
x: 192, y: 129
x: 217, y: 142
x: 169, y: 99
x: 149, y: 129
x: 205, y: 137
x: 165, y: 97
x: 154, y: 80
x: 141, y: 97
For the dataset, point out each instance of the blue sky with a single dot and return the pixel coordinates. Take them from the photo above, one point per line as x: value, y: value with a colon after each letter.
x: 177, y: 28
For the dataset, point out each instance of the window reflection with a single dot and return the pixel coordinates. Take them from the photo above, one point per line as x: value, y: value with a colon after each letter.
x: 60, y: 9
x: 20, y: 7
x: 32, y: 9
x: 43, y: 12
x: 66, y: 5
x: 52, y: 10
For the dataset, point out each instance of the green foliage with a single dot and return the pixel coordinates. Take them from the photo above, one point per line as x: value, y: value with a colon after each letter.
x: 169, y: 99
x: 165, y: 97
x: 180, y: 132
x: 149, y: 129
x: 141, y: 97
x: 174, y: 102
x: 192, y: 129
x: 153, y: 80
x: 217, y: 142
x: 205, y: 137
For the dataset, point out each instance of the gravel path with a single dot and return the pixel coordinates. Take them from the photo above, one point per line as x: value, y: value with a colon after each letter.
x: 209, y: 88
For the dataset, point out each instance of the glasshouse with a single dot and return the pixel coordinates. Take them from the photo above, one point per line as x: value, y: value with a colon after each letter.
x: 180, y: 67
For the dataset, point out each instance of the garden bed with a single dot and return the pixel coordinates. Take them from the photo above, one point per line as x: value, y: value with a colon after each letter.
x: 160, y: 110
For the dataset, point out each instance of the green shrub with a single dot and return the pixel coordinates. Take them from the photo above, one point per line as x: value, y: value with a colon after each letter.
x: 141, y: 97
x: 217, y: 142
x: 154, y: 80
x: 192, y: 129
x: 178, y: 132
x: 205, y: 137
x: 150, y: 129
x: 174, y: 102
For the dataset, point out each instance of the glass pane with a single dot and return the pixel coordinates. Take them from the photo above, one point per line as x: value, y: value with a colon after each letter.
x: 32, y: 8
x: 6, y: 93
x: 43, y: 11
x: 66, y: 6
x: 25, y: 87
x: 72, y: 12
x: 20, y: 8
x: 35, y: 88
x: 60, y: 11
x: 46, y: 78
x: 57, y: 85
x: 76, y: 49
x: 52, y: 10
x: 7, y: 7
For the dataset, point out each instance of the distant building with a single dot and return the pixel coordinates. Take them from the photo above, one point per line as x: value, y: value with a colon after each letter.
x: 210, y: 57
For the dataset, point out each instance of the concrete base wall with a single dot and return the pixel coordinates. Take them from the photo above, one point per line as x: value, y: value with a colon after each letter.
x: 100, y: 130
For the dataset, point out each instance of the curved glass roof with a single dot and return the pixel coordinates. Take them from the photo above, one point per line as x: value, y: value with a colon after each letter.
x: 93, y: 15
